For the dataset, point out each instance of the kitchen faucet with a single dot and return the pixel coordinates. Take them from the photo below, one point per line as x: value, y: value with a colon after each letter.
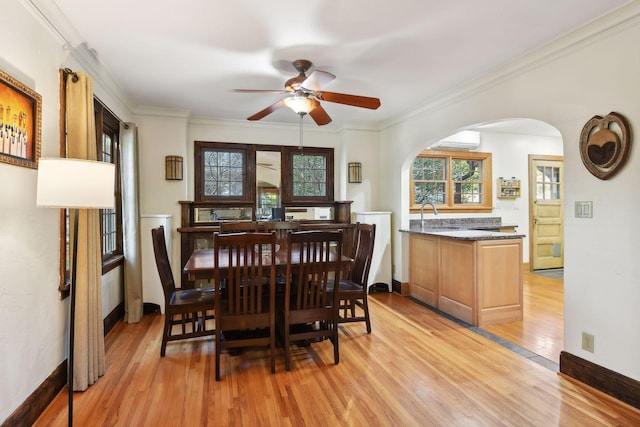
x: 435, y: 211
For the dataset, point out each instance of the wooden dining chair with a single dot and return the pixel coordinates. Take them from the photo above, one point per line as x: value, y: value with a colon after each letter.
x: 244, y: 306
x: 353, y: 290
x: 306, y: 313
x: 281, y: 228
x: 238, y: 227
x: 185, y: 309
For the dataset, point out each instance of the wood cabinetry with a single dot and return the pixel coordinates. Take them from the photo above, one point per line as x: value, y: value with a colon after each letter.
x: 423, y: 268
x: 477, y: 281
x: 198, y: 234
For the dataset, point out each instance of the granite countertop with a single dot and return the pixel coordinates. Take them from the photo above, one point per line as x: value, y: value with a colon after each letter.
x: 465, y: 234
x: 462, y: 228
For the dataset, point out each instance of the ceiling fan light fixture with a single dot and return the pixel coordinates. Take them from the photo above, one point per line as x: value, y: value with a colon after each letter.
x: 300, y: 104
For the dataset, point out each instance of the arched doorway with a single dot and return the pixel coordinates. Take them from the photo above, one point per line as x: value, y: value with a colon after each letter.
x: 512, y: 143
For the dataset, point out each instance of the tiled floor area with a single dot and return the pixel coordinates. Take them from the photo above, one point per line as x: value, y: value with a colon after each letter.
x: 555, y: 273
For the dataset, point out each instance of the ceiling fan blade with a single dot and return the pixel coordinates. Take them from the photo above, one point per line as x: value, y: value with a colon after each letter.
x: 270, y: 109
x: 319, y: 115
x: 353, y: 100
x: 258, y: 91
x: 317, y: 80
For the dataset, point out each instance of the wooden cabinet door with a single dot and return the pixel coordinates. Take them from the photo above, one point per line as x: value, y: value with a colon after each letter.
x: 423, y: 271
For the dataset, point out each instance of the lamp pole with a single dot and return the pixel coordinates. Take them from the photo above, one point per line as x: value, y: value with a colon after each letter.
x: 74, y: 184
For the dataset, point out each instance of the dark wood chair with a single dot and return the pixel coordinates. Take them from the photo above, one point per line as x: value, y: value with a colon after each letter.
x: 352, y: 291
x: 281, y: 228
x: 238, y: 227
x: 244, y: 306
x: 306, y: 313
x: 185, y: 309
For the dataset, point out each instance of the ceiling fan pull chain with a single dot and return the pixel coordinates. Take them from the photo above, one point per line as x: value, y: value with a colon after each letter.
x: 301, y: 115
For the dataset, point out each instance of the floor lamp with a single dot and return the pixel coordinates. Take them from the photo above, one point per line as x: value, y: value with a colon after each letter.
x: 74, y: 184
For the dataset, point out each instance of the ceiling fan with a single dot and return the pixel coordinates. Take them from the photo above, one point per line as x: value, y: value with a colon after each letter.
x: 303, y: 95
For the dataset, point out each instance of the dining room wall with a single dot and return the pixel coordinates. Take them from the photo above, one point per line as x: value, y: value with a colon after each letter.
x: 33, y: 317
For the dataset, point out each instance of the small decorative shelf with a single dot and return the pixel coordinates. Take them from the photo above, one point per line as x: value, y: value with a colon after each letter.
x: 508, y: 188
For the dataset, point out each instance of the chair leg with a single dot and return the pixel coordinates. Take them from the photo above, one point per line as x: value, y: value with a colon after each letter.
x: 272, y: 350
x: 336, y: 351
x: 168, y: 319
x: 365, y: 307
x: 287, y: 354
x: 218, y: 350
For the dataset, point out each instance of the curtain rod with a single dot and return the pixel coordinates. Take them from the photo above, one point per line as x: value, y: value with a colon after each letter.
x: 68, y: 71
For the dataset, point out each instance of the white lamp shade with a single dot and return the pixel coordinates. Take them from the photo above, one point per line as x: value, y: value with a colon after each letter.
x: 300, y: 104
x: 75, y: 183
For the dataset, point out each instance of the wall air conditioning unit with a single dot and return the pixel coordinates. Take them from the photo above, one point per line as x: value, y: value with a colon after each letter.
x: 464, y: 140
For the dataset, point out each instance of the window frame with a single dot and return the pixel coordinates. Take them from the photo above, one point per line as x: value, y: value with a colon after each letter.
x: 288, y: 197
x: 250, y: 194
x: 486, y: 206
x: 107, y: 123
x: 249, y: 174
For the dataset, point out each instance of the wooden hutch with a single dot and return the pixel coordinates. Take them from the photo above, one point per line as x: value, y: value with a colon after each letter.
x: 198, y: 223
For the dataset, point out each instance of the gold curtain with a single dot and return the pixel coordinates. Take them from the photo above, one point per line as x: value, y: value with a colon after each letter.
x: 133, y: 304
x: 89, y: 357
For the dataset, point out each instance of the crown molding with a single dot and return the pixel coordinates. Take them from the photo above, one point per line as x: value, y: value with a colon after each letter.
x: 615, y: 21
x: 244, y: 124
x: 52, y: 18
x: 147, y: 110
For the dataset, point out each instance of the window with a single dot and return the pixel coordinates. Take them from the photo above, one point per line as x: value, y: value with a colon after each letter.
x: 108, y: 150
x: 307, y: 175
x: 225, y: 173
x: 268, y: 198
x: 221, y: 172
x: 547, y: 183
x: 453, y: 181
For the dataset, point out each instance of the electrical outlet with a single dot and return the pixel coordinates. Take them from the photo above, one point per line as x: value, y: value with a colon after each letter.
x: 587, y: 342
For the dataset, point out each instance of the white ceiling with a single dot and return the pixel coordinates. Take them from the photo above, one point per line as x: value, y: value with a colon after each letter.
x: 188, y: 54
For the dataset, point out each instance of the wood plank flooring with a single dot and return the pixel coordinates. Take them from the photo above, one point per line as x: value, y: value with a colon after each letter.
x: 542, y: 329
x: 416, y: 368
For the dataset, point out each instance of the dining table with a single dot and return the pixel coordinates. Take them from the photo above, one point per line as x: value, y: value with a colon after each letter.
x: 200, y: 264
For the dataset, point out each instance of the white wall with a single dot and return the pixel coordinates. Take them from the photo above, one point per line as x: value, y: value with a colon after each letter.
x: 564, y: 85
x: 163, y: 133
x: 510, y: 159
x: 32, y: 316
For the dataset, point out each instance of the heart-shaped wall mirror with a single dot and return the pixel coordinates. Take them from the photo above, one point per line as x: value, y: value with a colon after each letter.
x: 604, y: 144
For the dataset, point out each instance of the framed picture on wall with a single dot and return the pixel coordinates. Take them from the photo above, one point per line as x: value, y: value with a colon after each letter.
x: 20, y: 123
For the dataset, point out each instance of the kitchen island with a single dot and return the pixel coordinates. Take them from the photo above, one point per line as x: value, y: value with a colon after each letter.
x: 473, y: 275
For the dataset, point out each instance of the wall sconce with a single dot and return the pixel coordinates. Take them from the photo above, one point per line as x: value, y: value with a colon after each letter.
x: 173, y: 168
x: 355, y: 172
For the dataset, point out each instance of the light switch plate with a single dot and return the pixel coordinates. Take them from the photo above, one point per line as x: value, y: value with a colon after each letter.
x: 584, y: 209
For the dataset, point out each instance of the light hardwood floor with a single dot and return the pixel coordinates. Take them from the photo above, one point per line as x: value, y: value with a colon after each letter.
x: 417, y: 368
x: 542, y: 329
